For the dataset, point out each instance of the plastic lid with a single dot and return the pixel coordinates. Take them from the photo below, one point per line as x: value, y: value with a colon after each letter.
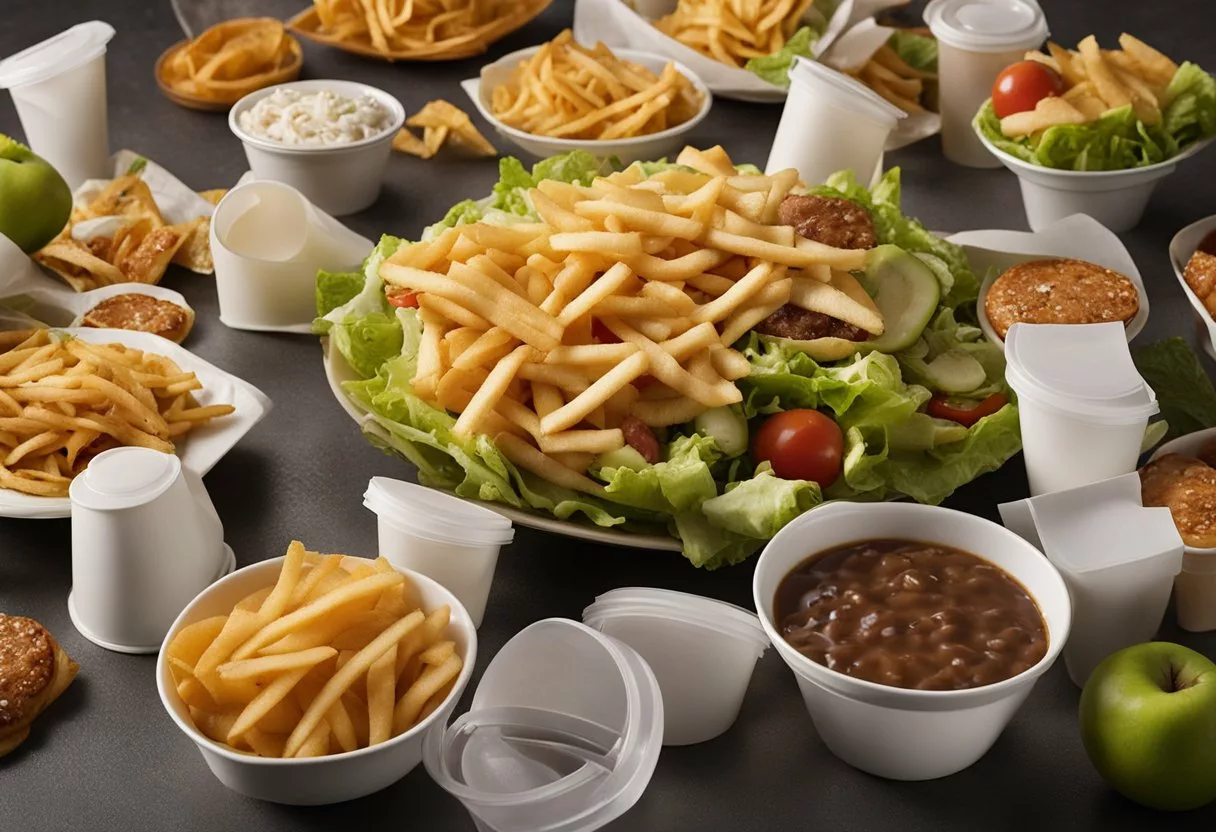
x: 54, y: 56
x: 124, y: 478
x: 684, y: 600
x: 987, y: 25
x: 657, y: 616
x: 1083, y: 370
x: 850, y: 95
x: 435, y: 515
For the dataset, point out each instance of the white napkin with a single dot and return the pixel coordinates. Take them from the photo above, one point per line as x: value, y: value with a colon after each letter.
x: 177, y: 203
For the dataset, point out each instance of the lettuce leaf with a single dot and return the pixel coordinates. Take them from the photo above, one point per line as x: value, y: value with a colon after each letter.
x: 1184, y: 391
x: 945, y: 334
x: 917, y: 51
x: 775, y: 68
x: 680, y: 483
x: 336, y: 289
x: 1191, y: 113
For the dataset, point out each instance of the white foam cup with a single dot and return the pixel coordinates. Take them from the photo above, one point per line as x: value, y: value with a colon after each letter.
x: 899, y: 733
x: 145, y: 541
x: 268, y: 242
x: 454, y: 541
x: 976, y: 39
x: 1119, y: 560
x: 1082, y: 405
x: 59, y: 90
x: 830, y: 123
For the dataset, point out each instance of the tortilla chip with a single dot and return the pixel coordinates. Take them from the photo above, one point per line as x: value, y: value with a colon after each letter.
x: 407, y: 142
x: 77, y: 265
x: 214, y: 195
x: 434, y: 137
x: 439, y: 114
x: 195, y: 251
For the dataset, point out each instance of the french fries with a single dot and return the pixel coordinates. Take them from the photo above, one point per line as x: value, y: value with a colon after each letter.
x: 316, y: 665
x: 231, y: 60
x: 734, y: 31
x: 894, y: 79
x: 569, y: 91
x: 62, y: 402
x: 548, y: 332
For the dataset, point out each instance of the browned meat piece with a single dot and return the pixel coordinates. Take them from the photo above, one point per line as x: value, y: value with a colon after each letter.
x: 642, y: 439
x: 795, y: 322
x: 833, y: 221
x: 1200, y: 275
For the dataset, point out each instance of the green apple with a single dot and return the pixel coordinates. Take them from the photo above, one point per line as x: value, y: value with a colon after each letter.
x: 35, y: 202
x: 1148, y: 721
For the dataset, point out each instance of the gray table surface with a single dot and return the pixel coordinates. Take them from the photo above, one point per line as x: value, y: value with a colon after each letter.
x: 107, y: 757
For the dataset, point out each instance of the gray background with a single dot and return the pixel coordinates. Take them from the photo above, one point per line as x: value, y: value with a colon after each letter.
x: 106, y: 757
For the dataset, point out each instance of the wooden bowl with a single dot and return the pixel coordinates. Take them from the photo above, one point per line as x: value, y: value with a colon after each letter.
x: 308, y: 24
x: 289, y: 71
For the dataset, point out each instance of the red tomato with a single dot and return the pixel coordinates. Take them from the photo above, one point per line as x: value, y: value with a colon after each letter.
x: 601, y: 334
x: 801, y: 445
x: 965, y: 413
x: 1021, y: 86
x: 403, y: 299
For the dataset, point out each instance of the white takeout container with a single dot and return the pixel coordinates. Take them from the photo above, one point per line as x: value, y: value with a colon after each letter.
x: 1115, y: 198
x: 898, y: 733
x: 976, y: 39
x: 590, y: 701
x: 1118, y: 558
x: 831, y: 122
x: 55, y: 304
x: 1082, y: 405
x: 59, y: 90
x: 644, y: 148
x: 1078, y: 237
x: 268, y: 242
x: 312, y: 781
x: 1183, y: 245
x: 451, y: 540
x: 146, y: 540
x: 1195, y: 586
x: 338, y: 179
x: 702, y: 652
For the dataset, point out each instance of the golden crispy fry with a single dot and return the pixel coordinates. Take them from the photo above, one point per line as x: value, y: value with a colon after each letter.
x: 231, y: 60
x: 732, y: 32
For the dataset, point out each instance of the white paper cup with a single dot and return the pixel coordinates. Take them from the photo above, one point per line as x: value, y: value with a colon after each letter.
x: 338, y: 179
x: 894, y: 732
x: 1082, y: 405
x: 312, y: 781
x: 444, y: 537
x: 976, y: 39
x: 59, y: 90
x: 145, y: 541
x: 830, y: 123
x: 268, y: 242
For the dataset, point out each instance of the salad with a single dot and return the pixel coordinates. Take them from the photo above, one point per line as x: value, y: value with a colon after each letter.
x: 915, y: 411
x: 1096, y: 109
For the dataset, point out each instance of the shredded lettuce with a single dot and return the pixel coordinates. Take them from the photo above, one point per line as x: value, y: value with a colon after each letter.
x: 775, y: 68
x: 916, y: 50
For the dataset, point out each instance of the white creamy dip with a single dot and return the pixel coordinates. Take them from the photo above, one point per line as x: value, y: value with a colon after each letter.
x: 315, y: 119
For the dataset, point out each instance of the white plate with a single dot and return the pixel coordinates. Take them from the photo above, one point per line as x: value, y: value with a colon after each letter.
x: 338, y: 371
x: 1079, y: 237
x: 57, y: 305
x: 200, y: 450
x: 1181, y: 248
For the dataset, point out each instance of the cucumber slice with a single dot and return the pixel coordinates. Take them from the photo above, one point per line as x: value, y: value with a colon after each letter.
x: 727, y: 427
x: 954, y: 371
x: 906, y: 292
x: 622, y: 457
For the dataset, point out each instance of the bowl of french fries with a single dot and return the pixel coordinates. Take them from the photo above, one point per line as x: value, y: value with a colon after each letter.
x: 1116, y: 123
x: 623, y: 103
x: 311, y: 679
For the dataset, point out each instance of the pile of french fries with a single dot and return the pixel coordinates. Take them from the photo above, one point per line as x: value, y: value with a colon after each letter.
x: 62, y: 402
x: 232, y: 59
x: 734, y: 31
x: 891, y: 77
x: 334, y: 657
x: 623, y: 301
x: 1098, y: 80
x: 569, y: 91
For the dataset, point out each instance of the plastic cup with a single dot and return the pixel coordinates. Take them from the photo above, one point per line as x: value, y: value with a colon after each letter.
x: 443, y: 537
x: 145, y: 541
x: 268, y: 242
x: 1083, y: 406
x: 59, y: 90
x: 831, y: 123
x: 1119, y: 560
x: 976, y: 39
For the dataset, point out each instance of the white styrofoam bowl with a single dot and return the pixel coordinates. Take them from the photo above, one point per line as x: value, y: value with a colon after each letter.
x: 892, y: 732
x: 1115, y: 198
x: 1181, y: 248
x: 339, y: 179
x: 312, y: 781
x: 645, y: 148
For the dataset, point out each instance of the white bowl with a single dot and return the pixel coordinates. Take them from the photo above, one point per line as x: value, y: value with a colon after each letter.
x: 646, y: 148
x: 895, y: 732
x: 1181, y: 248
x: 312, y: 781
x: 338, y: 179
x: 1115, y: 198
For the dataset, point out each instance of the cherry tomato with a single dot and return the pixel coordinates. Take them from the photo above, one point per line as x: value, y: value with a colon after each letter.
x: 965, y: 413
x: 801, y: 445
x: 403, y: 299
x: 1021, y: 86
x: 601, y: 334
